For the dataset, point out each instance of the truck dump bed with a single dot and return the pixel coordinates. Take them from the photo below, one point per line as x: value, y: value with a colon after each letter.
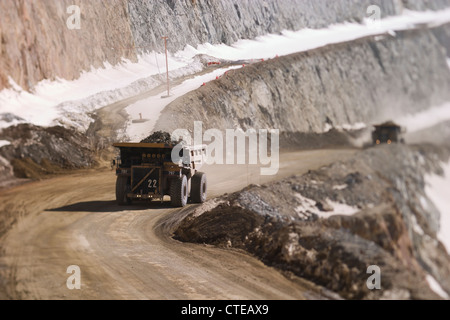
x: 148, y: 171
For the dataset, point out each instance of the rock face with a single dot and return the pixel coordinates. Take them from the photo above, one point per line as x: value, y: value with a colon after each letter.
x: 192, y: 22
x: 36, y: 44
x: 6, y: 172
x: 36, y: 151
x: 424, y: 5
x: 330, y: 225
x: 364, y: 81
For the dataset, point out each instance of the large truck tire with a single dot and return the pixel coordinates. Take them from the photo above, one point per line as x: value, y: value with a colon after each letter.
x: 198, y: 187
x: 122, y: 189
x: 179, y: 191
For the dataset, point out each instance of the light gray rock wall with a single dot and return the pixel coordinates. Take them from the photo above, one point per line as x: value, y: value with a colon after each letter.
x: 363, y: 81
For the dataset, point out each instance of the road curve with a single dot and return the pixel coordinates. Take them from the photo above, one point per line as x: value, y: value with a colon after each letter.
x: 128, y: 252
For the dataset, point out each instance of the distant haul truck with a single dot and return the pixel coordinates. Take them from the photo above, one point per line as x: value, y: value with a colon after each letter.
x: 387, y: 133
x: 145, y: 171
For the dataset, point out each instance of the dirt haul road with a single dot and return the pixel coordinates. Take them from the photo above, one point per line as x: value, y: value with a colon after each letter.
x: 128, y: 252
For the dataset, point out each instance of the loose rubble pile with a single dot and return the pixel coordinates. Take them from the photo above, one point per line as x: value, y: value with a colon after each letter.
x: 330, y: 225
x: 35, y: 151
x: 159, y: 137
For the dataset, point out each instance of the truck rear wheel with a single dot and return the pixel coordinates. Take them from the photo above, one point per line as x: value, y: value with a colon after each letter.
x: 122, y: 188
x: 198, y: 187
x: 179, y: 191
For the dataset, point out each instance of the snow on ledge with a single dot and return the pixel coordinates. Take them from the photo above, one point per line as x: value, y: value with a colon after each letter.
x: 4, y: 143
x: 435, y: 286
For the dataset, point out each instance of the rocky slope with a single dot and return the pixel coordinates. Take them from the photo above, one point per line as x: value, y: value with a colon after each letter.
x: 368, y: 80
x: 424, y: 5
x: 36, y: 44
x: 35, y: 151
x: 226, y: 21
x: 330, y: 225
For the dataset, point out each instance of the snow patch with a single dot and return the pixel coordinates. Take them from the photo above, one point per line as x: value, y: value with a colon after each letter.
x: 4, y: 143
x: 151, y: 108
x: 345, y: 127
x: 437, y: 190
x: 435, y: 286
x: 340, y: 187
x: 416, y: 227
x: 308, y: 207
x: 339, y: 209
x: 352, y: 127
x: 327, y: 127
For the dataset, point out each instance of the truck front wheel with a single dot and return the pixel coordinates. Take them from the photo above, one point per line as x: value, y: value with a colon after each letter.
x: 122, y: 188
x: 179, y: 191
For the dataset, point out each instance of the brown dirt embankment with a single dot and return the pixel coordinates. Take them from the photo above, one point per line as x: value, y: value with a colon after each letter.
x: 331, y: 224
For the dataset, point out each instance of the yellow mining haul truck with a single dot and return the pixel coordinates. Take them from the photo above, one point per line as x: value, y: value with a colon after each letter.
x: 388, y: 132
x: 146, y: 171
